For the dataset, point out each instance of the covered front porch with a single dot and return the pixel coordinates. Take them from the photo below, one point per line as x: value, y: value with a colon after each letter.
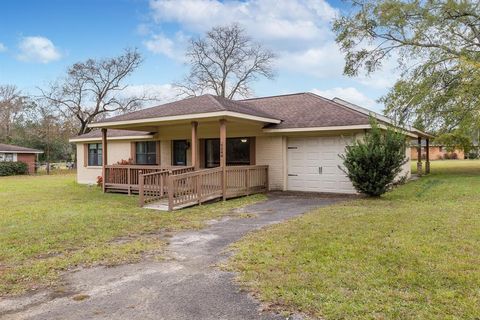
x: 215, y: 167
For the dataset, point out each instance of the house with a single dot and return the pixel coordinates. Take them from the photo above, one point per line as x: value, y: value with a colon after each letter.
x: 437, y: 152
x: 178, y: 150
x: 13, y: 153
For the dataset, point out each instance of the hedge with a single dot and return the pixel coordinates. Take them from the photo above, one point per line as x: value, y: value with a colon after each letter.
x: 13, y: 168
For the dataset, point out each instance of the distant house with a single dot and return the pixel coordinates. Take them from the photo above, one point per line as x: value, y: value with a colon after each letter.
x: 13, y: 153
x: 437, y: 152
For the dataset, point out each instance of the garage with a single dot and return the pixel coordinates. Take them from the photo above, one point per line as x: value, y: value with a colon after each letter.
x: 312, y: 164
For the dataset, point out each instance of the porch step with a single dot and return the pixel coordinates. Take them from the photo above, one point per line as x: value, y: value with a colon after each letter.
x: 162, y: 205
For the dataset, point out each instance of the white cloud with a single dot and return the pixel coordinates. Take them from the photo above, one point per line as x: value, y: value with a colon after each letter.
x: 298, y: 31
x: 349, y: 94
x: 270, y: 20
x: 38, y: 49
x: 159, y: 43
x: 161, y: 93
x: 323, y: 62
x: 3, y: 48
x: 172, y: 48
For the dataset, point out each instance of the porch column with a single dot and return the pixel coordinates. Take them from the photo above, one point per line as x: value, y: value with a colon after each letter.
x: 223, y: 155
x: 195, y: 160
x: 104, y: 156
x: 427, y: 157
x: 419, y: 157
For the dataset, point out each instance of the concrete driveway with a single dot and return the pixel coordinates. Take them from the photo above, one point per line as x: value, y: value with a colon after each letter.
x: 188, y: 285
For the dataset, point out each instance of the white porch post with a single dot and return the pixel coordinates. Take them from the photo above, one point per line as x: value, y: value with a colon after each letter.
x: 104, y: 156
x: 223, y: 155
x: 195, y: 160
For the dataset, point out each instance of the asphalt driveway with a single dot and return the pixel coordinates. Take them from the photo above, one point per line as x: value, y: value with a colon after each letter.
x: 188, y: 285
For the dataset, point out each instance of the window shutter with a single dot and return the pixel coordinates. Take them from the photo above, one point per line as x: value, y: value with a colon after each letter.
x: 201, y: 144
x: 157, y: 152
x: 252, y: 151
x: 133, y: 152
x: 85, y: 154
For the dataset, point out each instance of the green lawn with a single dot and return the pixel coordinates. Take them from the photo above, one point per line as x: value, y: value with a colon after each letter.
x: 413, y: 254
x: 49, y: 224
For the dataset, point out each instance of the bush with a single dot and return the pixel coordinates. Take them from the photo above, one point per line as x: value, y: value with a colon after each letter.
x: 373, y: 164
x: 13, y: 168
x: 473, y: 154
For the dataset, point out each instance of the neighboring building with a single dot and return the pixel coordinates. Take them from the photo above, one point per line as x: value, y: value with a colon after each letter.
x: 298, y: 136
x: 437, y: 153
x: 10, y: 152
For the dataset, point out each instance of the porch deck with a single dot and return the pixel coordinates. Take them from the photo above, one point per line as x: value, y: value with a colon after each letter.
x: 125, y: 178
x: 173, y: 188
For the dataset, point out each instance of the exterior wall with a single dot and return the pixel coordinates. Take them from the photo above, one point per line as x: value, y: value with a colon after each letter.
x: 165, y: 152
x: 29, y: 159
x: 271, y: 151
x: 436, y: 153
x: 116, y: 151
x: 407, y: 168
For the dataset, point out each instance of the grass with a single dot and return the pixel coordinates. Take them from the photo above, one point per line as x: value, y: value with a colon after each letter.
x: 49, y: 224
x: 413, y: 254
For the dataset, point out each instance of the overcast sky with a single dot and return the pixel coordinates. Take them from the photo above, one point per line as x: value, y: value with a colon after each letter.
x: 40, y: 39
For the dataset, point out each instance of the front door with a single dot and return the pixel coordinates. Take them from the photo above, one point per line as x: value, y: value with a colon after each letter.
x: 179, y: 155
x: 238, y: 152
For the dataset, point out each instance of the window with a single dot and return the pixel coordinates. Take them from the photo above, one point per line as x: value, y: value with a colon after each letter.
x: 238, y: 152
x: 179, y: 157
x: 6, y: 157
x: 94, y: 154
x: 440, y: 149
x: 146, y: 152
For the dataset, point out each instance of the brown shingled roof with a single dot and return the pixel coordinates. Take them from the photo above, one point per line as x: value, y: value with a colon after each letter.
x: 200, y: 104
x: 298, y: 110
x: 17, y: 149
x: 304, y: 110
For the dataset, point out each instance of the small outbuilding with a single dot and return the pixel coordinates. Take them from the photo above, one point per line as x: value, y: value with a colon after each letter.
x: 12, y: 153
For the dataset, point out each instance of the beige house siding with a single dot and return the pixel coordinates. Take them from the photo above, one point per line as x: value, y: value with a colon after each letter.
x: 116, y: 151
x: 165, y: 152
x: 271, y: 151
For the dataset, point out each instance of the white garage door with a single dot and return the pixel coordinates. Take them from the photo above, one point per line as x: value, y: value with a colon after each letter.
x: 313, y: 165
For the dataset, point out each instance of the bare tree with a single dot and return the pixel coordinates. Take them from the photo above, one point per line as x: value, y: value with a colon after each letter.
x: 225, y: 62
x: 12, y: 105
x: 93, y: 89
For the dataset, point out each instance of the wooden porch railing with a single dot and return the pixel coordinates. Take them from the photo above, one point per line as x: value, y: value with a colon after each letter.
x: 195, y: 187
x: 126, y: 177
x: 152, y: 186
x: 245, y: 180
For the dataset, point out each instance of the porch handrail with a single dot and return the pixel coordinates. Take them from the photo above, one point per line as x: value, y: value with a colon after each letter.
x: 126, y: 178
x: 194, y: 187
x: 199, y: 186
x: 153, y: 186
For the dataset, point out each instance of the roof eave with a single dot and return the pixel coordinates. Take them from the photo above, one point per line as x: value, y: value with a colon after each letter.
x: 74, y: 140
x: 23, y: 151
x: 332, y: 128
x: 193, y: 116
